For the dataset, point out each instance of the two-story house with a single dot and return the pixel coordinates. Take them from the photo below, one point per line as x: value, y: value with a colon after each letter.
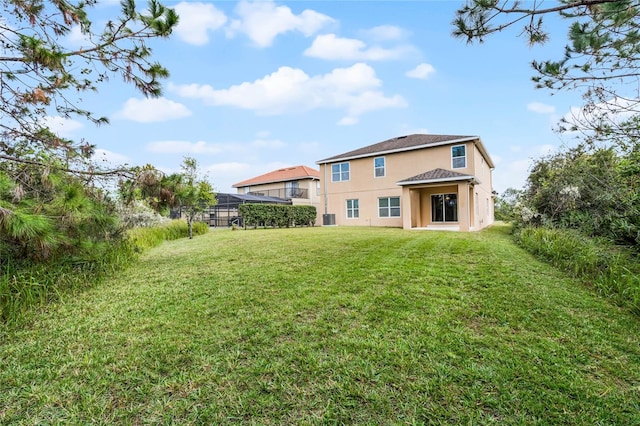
x: 415, y: 182
x: 299, y: 184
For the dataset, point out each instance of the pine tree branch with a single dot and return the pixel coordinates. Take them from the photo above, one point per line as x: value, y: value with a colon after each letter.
x: 560, y: 8
x: 114, y: 172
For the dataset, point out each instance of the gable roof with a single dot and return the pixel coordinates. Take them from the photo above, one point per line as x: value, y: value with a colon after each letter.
x: 407, y: 143
x: 281, y: 175
x: 437, y: 175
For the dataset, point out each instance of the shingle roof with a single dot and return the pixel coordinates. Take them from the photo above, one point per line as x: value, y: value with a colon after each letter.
x: 402, y: 143
x: 282, y: 175
x: 436, y: 175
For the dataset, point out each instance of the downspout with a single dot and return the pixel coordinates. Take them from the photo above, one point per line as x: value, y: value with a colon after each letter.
x: 326, y: 200
x: 469, y: 201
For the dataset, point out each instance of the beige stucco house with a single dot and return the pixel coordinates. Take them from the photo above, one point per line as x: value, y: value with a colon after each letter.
x: 299, y: 184
x: 415, y: 182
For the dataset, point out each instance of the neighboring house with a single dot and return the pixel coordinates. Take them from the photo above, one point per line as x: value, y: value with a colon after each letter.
x: 415, y: 182
x: 299, y: 184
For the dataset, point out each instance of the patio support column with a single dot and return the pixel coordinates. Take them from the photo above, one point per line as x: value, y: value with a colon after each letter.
x: 406, y: 207
x: 464, y: 206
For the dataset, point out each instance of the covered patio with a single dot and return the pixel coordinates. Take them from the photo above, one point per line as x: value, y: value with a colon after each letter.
x: 441, y: 200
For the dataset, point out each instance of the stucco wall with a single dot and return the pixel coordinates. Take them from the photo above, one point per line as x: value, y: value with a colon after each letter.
x: 367, y: 189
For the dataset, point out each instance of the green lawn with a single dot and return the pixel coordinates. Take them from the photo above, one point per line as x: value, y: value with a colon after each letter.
x: 328, y: 326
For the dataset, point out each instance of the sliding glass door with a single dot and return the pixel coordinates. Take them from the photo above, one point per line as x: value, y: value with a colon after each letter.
x: 444, y: 208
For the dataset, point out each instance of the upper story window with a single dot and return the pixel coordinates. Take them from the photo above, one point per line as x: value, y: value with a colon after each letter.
x: 379, y: 167
x: 339, y: 172
x: 292, y: 189
x: 458, y: 157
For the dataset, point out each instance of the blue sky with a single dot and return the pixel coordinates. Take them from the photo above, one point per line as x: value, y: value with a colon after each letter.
x: 256, y: 86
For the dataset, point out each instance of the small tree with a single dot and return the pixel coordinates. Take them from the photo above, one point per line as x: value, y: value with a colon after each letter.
x: 195, y: 195
x: 505, y: 204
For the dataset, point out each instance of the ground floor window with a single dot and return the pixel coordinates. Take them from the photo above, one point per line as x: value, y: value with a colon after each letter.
x: 353, y: 209
x: 389, y: 207
x: 444, y: 208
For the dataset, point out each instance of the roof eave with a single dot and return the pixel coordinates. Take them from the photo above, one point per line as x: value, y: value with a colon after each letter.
x: 392, y: 151
x: 485, y: 154
x: 247, y: 183
x: 439, y: 180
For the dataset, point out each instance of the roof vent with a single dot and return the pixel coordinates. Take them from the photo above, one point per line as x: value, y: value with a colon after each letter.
x: 401, y: 137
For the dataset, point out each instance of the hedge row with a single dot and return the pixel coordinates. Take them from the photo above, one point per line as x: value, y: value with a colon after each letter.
x: 277, y: 215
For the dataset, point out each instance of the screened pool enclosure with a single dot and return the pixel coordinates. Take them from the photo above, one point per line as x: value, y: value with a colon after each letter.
x: 225, y: 212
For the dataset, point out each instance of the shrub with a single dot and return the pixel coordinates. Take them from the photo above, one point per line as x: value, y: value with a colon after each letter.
x: 138, y: 214
x: 613, y: 270
x: 145, y: 238
x: 280, y: 215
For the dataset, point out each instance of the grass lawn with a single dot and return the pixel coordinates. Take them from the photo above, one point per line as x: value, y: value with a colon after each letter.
x: 328, y: 326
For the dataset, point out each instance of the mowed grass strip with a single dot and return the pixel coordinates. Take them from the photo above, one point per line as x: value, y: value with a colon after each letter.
x: 328, y: 326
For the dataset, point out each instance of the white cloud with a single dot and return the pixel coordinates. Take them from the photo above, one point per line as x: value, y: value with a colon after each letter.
x: 152, y: 110
x: 371, y: 101
x: 512, y: 175
x: 519, y: 166
x: 263, y: 21
x: 224, y: 175
x: 420, y: 130
x: 186, y: 147
x: 211, y: 148
x: 196, y: 20
x: 347, y: 121
x: 266, y: 143
x: 422, y: 71
x: 331, y: 47
x: 545, y: 149
x: 290, y: 90
x: 540, y: 108
x: 63, y: 127
x: 110, y: 157
x: 75, y: 37
x: 385, y: 33
x: 311, y: 148
x: 232, y: 168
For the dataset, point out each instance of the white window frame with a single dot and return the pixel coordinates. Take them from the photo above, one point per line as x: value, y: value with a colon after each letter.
x: 384, y: 167
x: 354, y: 209
x: 348, y: 164
x: 388, y: 207
x: 464, y: 157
